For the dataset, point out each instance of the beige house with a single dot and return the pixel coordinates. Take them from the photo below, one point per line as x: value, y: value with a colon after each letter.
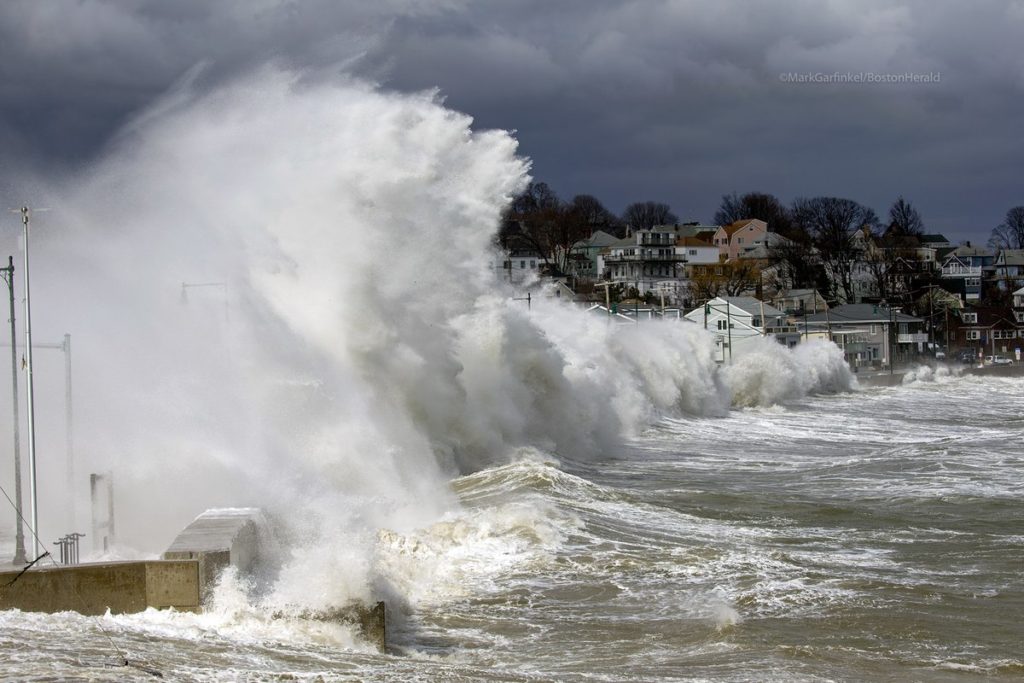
x: 733, y: 238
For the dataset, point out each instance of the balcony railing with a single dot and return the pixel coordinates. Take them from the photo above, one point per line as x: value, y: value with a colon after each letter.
x: 961, y: 271
x: 635, y: 258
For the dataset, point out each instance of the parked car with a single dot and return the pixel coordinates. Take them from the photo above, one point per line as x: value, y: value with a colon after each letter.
x: 998, y: 360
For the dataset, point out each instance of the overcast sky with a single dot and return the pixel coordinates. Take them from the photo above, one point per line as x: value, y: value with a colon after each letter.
x: 678, y: 101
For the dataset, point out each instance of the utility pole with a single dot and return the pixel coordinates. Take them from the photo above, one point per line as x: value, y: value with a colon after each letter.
x: 68, y: 426
x: 19, y: 534
x: 31, y: 395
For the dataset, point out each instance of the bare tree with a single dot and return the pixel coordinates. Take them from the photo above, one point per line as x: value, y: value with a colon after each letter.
x: 1010, y: 233
x: 795, y: 264
x: 759, y: 205
x: 831, y: 223
x: 733, y: 278
x: 539, y: 221
x: 646, y: 215
x: 594, y: 212
x: 904, y: 220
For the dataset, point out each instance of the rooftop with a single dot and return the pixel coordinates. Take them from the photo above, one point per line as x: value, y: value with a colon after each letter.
x: 752, y: 305
x: 862, y: 313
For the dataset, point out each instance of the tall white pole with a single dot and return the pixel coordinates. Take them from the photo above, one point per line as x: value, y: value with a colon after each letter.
x: 19, y: 536
x: 31, y: 397
x: 69, y: 426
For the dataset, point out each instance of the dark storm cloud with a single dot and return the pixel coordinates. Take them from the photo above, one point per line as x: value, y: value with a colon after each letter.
x: 678, y: 100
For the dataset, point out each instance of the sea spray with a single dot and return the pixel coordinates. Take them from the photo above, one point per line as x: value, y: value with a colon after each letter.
x: 770, y: 373
x: 281, y: 295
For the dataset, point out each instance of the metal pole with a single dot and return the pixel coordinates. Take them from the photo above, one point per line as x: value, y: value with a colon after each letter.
x: 68, y: 425
x: 19, y: 533
x: 31, y: 396
x: 728, y: 319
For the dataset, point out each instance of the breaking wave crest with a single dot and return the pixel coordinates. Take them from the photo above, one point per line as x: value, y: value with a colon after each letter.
x: 298, y: 313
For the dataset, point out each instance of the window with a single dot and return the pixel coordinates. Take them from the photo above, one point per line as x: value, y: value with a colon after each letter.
x: 533, y: 264
x: 693, y: 252
x: 522, y: 264
x: 874, y: 329
x: 970, y: 318
x: 756, y: 321
x: 973, y: 335
x: 739, y: 240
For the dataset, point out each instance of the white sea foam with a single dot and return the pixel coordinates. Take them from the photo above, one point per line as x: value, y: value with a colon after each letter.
x: 282, y: 292
x: 771, y: 373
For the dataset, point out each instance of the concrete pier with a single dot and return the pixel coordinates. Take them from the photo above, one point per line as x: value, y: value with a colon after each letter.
x: 216, y: 539
x: 121, y: 587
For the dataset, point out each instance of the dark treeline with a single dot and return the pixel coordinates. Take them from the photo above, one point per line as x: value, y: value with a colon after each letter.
x: 820, y: 242
x: 539, y: 221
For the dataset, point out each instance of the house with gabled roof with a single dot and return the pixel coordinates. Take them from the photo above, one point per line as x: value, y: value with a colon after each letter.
x: 1009, y: 268
x: 969, y: 265
x: 989, y: 330
x: 869, y: 334
x: 737, y: 321
x: 1018, y: 301
x: 794, y: 301
x: 731, y: 239
x: 583, y: 260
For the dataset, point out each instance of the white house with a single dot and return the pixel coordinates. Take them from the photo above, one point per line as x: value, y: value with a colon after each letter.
x: 736, y: 321
x: 514, y: 266
x: 648, y: 260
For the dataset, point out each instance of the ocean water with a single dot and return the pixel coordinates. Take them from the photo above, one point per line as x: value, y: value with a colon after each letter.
x: 279, y: 297
x: 876, y: 535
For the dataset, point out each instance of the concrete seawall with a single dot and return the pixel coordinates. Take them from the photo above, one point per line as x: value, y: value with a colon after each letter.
x: 121, y: 587
x: 183, y: 580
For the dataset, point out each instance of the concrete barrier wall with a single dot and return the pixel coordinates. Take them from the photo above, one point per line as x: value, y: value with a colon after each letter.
x: 121, y: 587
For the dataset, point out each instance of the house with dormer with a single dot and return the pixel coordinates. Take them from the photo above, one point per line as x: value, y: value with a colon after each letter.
x: 966, y: 268
x: 989, y: 330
